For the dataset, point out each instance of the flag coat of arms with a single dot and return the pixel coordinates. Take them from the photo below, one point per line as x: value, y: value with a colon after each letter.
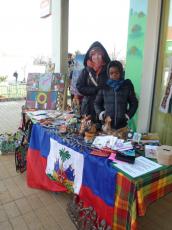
x: 62, y: 166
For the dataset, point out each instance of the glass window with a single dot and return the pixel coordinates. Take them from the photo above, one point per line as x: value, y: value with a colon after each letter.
x: 162, y: 105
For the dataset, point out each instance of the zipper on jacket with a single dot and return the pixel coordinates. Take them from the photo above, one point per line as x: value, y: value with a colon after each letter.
x: 115, y: 108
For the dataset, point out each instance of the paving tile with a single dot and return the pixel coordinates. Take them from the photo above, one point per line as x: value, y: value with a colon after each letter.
x: 46, y: 197
x: 41, y: 213
x: 62, y: 199
x: 3, y: 215
x: 34, y: 201
x: 18, y: 223
x: 23, y: 205
x: 5, y: 226
x: 49, y: 223
x: 55, y: 210
x: 5, y: 197
x: 32, y: 221
x: 11, y: 209
x: 4, y: 174
x: 3, y: 187
x: 60, y: 216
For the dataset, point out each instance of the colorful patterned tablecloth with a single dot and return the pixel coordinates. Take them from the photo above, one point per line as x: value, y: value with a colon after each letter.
x: 133, y: 196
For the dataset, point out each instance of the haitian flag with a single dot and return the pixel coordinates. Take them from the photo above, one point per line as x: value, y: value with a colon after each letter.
x: 91, y: 177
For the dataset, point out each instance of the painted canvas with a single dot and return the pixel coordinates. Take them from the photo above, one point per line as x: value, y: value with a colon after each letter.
x: 78, y: 66
x: 45, y: 82
x: 58, y: 82
x: 33, y: 82
x: 41, y: 100
x: 42, y: 90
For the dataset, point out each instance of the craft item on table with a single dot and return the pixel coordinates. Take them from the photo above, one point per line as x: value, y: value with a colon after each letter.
x: 54, y: 114
x: 164, y: 154
x: 63, y: 129
x: 85, y: 124
x: 105, y: 152
x: 37, y: 112
x: 136, y: 137
x: 122, y: 146
x: 130, y: 152
x: 130, y: 134
x: 124, y: 157
x: 104, y: 141
x: 151, y: 151
x: 107, y: 126
x: 120, y: 133
x: 76, y: 105
x: 150, y: 138
x: 138, y: 146
x: 46, y: 121
x: 72, y: 120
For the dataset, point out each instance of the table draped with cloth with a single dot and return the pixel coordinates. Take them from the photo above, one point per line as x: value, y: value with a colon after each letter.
x: 115, y: 196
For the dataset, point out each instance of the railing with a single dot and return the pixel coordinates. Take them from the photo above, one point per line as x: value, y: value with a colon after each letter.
x: 13, y: 91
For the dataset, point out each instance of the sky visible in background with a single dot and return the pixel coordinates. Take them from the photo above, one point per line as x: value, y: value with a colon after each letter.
x: 24, y: 35
x: 99, y: 20
x: 22, y: 31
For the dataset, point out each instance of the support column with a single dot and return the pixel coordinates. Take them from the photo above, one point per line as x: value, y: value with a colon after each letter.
x: 60, y: 12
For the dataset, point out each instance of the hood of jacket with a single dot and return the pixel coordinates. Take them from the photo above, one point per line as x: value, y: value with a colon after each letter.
x: 97, y: 44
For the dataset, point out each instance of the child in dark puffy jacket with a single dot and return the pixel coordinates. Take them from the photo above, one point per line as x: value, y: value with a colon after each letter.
x: 118, y: 100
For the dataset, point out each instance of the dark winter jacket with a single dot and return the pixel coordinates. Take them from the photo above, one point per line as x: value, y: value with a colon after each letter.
x: 85, y: 85
x: 117, y: 103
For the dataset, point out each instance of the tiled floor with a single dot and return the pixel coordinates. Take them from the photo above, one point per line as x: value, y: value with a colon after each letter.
x: 25, y: 208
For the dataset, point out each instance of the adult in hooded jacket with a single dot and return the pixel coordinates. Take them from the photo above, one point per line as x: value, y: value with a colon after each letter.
x: 118, y: 100
x: 93, y: 77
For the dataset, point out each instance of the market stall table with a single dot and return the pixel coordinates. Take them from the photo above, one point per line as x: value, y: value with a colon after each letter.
x: 115, y: 196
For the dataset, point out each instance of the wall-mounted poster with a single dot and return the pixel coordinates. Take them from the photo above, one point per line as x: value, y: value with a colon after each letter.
x: 78, y: 66
x: 166, y: 102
